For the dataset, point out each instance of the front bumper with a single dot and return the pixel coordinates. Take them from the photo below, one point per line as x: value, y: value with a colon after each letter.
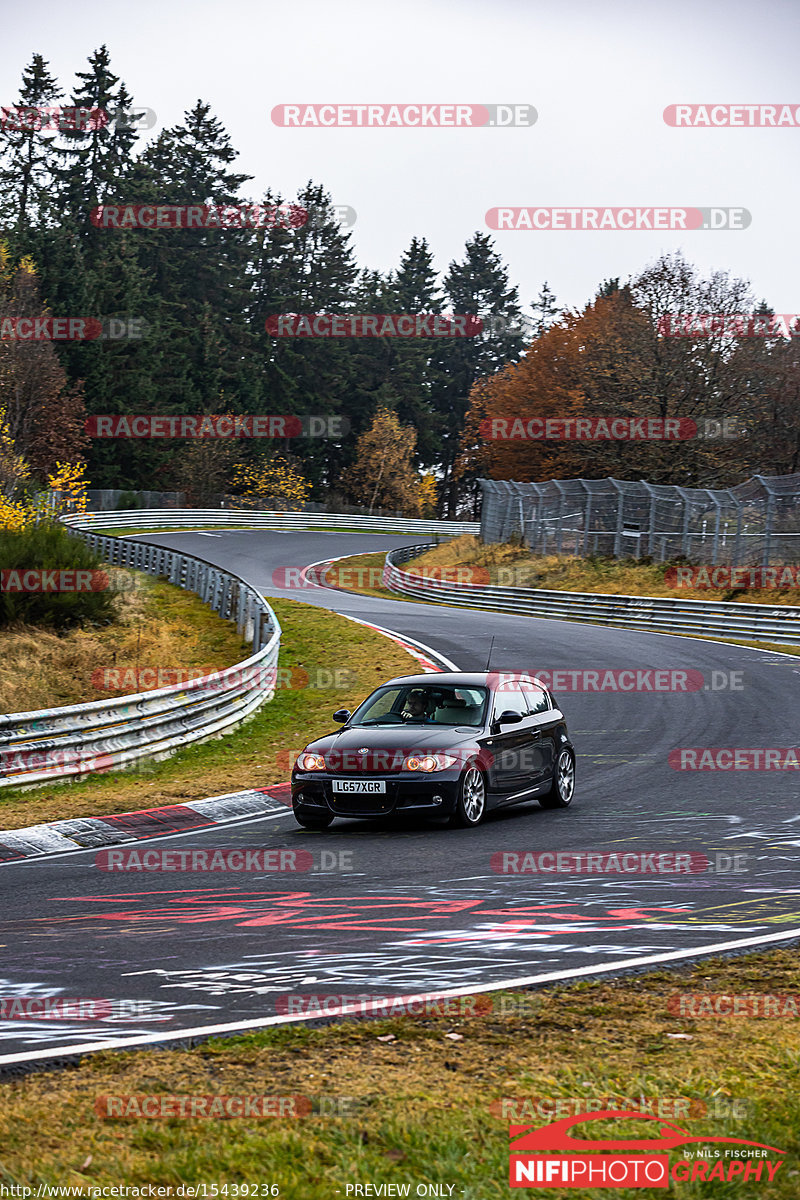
x: 407, y: 791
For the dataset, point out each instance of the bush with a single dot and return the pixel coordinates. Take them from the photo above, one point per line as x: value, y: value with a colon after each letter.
x: 48, y: 547
x: 129, y: 500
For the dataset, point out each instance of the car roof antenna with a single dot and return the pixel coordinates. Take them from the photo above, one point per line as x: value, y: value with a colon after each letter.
x: 489, y: 656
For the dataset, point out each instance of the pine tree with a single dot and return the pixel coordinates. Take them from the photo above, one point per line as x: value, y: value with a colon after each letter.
x: 607, y: 288
x: 310, y: 268
x: 546, y: 309
x: 416, y: 284
x: 372, y: 360
x: 193, y: 286
x: 96, y: 272
x: 96, y: 156
x: 414, y: 371
x: 479, y: 287
x: 27, y: 155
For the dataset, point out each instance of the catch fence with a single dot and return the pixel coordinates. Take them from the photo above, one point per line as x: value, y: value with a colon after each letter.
x: 756, y: 523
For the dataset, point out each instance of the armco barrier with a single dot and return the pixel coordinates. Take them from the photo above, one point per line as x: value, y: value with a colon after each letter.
x: 745, y: 622
x: 217, y: 518
x: 77, y: 740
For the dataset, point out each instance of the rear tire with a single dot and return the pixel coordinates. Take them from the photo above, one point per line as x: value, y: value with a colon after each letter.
x: 562, y: 788
x: 471, y: 804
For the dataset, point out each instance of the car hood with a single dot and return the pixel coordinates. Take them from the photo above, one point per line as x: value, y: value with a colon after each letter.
x: 396, y: 738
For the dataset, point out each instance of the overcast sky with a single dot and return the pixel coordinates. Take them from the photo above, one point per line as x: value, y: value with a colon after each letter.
x: 598, y: 74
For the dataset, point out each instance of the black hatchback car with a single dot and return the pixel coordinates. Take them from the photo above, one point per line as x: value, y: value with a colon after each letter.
x: 441, y: 744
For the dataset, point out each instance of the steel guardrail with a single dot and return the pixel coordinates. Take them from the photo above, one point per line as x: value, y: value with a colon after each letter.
x: 209, y: 518
x: 81, y: 739
x: 723, y: 619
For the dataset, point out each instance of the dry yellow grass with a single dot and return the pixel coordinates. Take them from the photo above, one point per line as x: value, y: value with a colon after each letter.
x: 358, y: 573
x: 159, y: 627
x: 515, y: 566
x: 256, y: 754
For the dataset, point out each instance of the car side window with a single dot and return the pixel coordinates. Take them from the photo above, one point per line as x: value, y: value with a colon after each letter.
x: 510, y: 698
x: 537, y: 700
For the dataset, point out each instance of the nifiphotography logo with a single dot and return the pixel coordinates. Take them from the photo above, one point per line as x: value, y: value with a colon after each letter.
x: 642, y: 1163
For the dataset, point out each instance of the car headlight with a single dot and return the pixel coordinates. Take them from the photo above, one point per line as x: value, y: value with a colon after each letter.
x: 428, y: 762
x: 310, y: 762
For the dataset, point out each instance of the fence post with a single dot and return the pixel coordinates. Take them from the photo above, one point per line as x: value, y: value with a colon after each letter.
x: 737, y: 537
x: 685, y: 534
x: 651, y: 522
x: 517, y: 489
x: 620, y: 514
x: 506, y: 529
x: 587, y: 518
x: 560, y: 517
x: 715, y: 544
x: 768, y: 519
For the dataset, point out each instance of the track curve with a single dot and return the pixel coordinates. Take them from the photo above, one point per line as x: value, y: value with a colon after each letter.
x: 420, y: 908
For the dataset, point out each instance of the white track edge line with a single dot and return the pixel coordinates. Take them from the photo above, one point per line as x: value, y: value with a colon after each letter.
x: 402, y: 637
x: 346, y: 1010
x: 400, y: 597
x: 181, y: 833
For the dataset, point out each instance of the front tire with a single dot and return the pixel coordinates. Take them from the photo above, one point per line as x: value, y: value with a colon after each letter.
x: 562, y: 788
x: 471, y: 804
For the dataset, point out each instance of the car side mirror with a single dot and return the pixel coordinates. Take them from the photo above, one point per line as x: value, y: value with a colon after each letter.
x: 509, y: 718
x: 341, y: 715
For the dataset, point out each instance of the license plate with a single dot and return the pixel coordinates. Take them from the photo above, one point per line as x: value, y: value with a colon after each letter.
x: 368, y: 786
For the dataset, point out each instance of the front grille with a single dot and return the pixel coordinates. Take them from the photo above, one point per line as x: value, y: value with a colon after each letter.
x: 374, y: 762
x: 354, y: 803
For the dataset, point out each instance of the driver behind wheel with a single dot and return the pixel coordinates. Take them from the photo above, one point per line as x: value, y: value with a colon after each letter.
x: 416, y: 707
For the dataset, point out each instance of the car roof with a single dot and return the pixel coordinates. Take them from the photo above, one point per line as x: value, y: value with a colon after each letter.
x: 489, y: 679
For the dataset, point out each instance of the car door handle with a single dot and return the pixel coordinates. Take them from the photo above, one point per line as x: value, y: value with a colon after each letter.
x: 536, y: 733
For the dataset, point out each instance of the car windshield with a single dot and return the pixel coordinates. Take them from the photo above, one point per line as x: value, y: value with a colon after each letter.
x: 406, y: 704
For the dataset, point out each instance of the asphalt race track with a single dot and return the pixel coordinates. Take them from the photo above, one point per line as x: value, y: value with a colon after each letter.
x: 411, y: 907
